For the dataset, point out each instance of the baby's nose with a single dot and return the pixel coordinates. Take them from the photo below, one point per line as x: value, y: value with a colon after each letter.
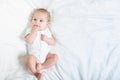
x: 37, y: 22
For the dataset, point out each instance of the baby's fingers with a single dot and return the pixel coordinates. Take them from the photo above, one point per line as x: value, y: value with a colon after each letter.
x: 42, y: 36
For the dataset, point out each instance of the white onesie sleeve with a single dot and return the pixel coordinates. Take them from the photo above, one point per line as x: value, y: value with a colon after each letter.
x: 46, y: 32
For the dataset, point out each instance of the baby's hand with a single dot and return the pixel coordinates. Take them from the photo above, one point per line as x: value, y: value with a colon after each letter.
x: 48, y: 40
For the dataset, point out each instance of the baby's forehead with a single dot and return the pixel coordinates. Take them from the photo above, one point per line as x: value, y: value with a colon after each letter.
x: 41, y: 14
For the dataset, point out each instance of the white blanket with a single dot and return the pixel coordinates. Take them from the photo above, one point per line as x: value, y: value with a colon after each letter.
x: 87, y: 33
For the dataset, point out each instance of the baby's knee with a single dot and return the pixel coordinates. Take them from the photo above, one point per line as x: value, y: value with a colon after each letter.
x: 55, y: 56
x: 30, y: 58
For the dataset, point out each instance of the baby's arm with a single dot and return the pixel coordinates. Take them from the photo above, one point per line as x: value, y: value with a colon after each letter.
x: 32, y: 35
x: 49, y: 40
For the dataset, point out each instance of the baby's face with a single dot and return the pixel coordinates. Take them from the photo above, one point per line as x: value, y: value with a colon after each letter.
x: 40, y: 19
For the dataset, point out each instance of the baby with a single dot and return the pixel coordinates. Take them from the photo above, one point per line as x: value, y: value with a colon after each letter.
x: 39, y: 42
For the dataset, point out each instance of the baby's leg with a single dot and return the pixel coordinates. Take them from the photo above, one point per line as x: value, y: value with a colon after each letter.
x: 39, y: 76
x: 49, y: 62
x: 31, y: 63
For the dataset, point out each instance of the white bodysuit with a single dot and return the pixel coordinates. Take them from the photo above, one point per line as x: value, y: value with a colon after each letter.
x: 39, y: 48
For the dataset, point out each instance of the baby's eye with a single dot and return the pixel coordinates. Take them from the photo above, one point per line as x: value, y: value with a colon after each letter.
x: 34, y: 19
x: 41, y: 20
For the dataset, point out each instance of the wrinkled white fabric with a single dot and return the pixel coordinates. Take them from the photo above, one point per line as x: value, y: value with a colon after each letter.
x: 87, y: 34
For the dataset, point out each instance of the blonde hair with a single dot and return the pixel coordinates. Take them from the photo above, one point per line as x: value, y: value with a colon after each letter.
x: 43, y: 11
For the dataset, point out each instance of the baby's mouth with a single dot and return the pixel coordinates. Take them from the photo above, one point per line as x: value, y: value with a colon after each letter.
x: 36, y: 26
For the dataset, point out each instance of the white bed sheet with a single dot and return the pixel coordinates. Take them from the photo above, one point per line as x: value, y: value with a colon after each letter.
x: 87, y: 32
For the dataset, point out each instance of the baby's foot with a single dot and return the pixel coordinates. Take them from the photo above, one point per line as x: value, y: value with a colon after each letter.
x: 40, y: 68
x: 39, y: 76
